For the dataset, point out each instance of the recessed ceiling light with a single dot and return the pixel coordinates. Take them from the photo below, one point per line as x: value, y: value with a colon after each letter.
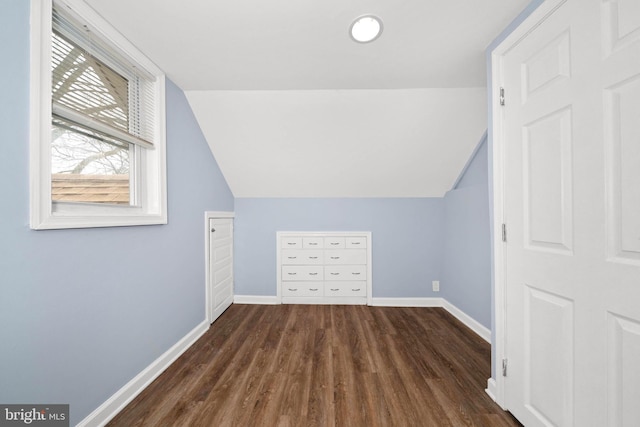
x: 366, y: 28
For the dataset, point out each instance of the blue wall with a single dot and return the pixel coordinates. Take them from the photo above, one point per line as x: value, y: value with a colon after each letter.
x: 406, y: 235
x: 466, y: 269
x: 84, y: 311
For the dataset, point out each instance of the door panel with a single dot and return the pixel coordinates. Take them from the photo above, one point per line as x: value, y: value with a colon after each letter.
x: 220, y: 265
x: 624, y: 371
x: 548, y: 378
x: 547, y: 184
x: 571, y: 145
x: 546, y: 66
x: 621, y: 24
x: 622, y: 104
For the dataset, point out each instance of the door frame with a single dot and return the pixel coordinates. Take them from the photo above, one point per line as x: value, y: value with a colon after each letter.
x: 209, y: 215
x: 496, y: 386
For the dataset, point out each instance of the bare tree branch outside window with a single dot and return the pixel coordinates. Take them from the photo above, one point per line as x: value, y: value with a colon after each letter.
x: 87, y: 166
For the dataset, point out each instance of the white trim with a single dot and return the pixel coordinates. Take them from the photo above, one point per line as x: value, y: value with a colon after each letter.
x: 40, y: 87
x: 324, y: 301
x: 491, y: 389
x: 278, y: 269
x: 481, y: 330
x: 219, y: 214
x: 208, y: 215
x: 153, y: 196
x: 497, y: 81
x: 369, y: 267
x: 407, y: 302
x: 256, y: 299
x: 110, y: 408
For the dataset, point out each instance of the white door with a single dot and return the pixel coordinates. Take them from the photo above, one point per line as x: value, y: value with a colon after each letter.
x: 571, y: 146
x: 220, y: 266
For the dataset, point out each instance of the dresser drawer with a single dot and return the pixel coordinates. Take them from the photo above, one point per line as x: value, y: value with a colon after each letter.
x: 312, y: 242
x: 302, y: 272
x: 345, y: 289
x: 301, y: 256
x: 345, y: 256
x: 345, y: 272
x: 303, y: 289
x: 291, y: 243
x: 356, y: 242
x: 334, y: 242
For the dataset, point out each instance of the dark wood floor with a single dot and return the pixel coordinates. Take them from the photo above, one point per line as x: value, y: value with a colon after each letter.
x: 296, y: 365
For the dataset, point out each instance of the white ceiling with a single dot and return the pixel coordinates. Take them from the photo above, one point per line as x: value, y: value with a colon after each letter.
x: 279, y: 88
x: 304, y: 44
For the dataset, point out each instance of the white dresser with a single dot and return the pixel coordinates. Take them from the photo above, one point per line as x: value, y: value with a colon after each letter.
x: 324, y: 267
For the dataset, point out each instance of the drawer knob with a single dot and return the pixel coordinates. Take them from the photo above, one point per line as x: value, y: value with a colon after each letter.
x: 355, y: 290
x: 355, y: 273
x: 313, y: 244
x: 291, y: 243
x: 335, y: 257
x: 335, y: 274
x: 292, y: 257
x: 313, y: 289
x: 335, y: 290
x: 313, y: 274
x: 313, y: 257
x: 335, y: 243
x: 293, y: 290
x: 292, y: 274
x: 355, y: 243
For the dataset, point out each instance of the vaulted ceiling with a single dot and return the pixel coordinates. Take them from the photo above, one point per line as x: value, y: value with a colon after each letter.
x: 285, y: 97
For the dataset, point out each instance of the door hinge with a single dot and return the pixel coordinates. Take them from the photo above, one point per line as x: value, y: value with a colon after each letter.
x: 504, y: 367
x: 502, y: 96
x: 504, y: 232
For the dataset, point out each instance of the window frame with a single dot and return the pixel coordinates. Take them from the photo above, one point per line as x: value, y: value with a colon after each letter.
x: 150, y: 171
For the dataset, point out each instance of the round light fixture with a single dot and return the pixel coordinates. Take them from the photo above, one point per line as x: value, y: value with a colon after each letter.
x: 366, y: 28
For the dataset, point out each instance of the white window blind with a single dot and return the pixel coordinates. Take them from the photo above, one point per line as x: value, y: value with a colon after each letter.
x: 96, y: 91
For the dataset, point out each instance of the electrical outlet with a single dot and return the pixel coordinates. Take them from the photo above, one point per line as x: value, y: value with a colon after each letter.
x: 435, y: 285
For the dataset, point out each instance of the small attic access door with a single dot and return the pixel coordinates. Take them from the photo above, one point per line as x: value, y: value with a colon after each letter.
x: 219, y: 293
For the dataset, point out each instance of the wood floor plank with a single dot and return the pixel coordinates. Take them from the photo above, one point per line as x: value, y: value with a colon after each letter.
x: 325, y: 366
x: 158, y: 403
x: 320, y: 409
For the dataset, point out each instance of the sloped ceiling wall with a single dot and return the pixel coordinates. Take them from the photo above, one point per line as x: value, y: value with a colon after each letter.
x: 315, y: 113
x: 341, y: 143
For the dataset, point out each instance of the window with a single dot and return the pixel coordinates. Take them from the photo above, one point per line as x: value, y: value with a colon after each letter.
x: 97, y: 128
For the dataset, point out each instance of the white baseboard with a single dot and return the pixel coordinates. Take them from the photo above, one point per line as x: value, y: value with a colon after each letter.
x: 470, y: 322
x: 491, y: 389
x: 109, y: 409
x: 256, y: 299
x: 407, y: 302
